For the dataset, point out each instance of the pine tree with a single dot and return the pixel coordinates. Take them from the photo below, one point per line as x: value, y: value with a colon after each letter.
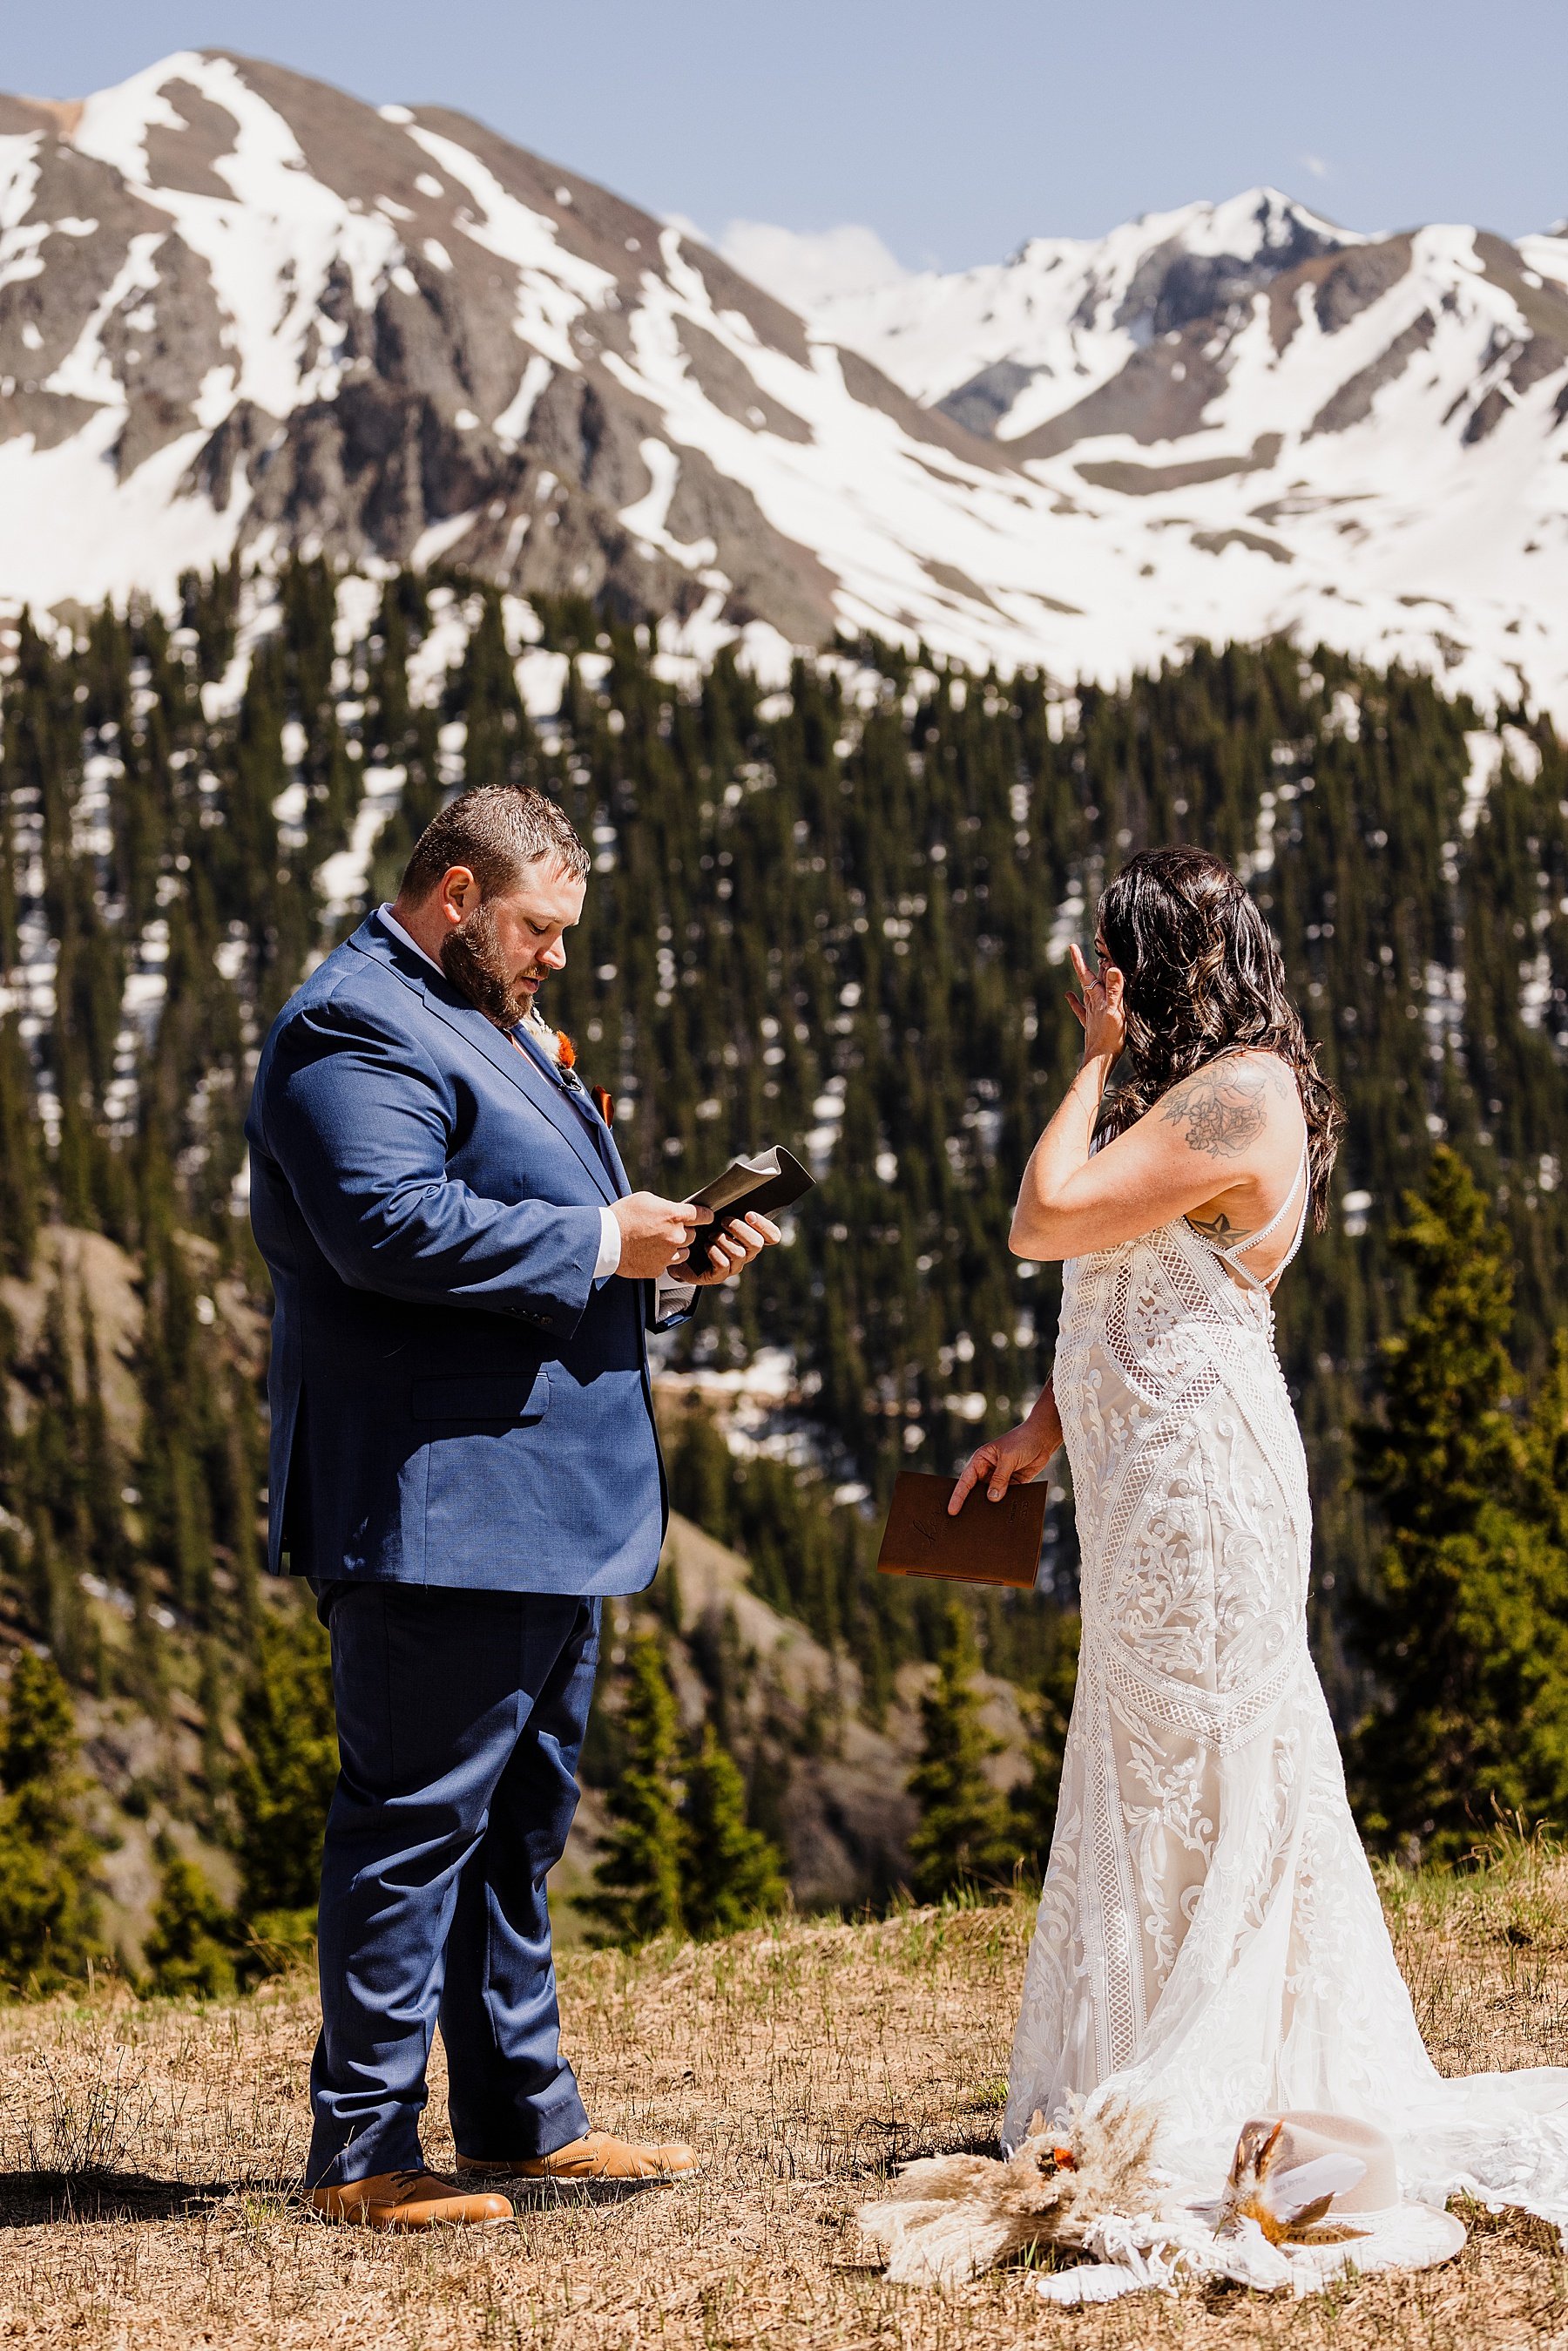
x: 1033, y: 1803
x: 791, y: 896
x: 733, y: 1876
x: 100, y: 1469
x: 282, y: 1783
x: 702, y: 1475
x: 216, y: 1768
x: 188, y: 1953
x: 19, y: 1185
x: 1545, y: 1446
x: 1467, y: 1621
x: 177, y: 1378
x: 638, y: 1879
x: 244, y: 1445
x: 962, y: 1836
x: 60, y: 1534
x: 48, y: 1909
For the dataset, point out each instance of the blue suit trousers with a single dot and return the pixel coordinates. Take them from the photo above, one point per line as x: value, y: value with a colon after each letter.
x: 459, y: 1718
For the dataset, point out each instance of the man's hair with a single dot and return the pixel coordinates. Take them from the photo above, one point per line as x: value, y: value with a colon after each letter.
x: 495, y: 831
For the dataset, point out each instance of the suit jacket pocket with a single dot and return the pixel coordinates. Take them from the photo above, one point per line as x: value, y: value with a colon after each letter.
x: 503, y: 1400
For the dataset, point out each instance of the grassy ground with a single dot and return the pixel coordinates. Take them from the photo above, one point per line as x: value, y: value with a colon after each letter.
x: 150, y: 2154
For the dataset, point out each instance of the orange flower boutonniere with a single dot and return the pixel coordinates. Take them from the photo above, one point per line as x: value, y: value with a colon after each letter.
x: 566, y: 1052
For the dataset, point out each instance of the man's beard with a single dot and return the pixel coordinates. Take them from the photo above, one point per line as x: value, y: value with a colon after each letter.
x: 472, y: 959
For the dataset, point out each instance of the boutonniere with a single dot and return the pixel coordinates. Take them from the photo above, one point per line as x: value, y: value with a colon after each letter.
x: 602, y: 1099
x: 564, y: 1053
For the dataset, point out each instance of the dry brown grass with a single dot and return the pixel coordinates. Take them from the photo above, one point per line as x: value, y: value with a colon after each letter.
x: 150, y: 2154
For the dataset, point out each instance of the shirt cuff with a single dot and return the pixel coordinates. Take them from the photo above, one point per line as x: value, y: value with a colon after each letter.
x: 608, y: 1259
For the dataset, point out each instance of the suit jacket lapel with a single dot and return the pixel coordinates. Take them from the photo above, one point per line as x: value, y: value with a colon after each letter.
x: 616, y: 1161
x: 513, y: 1061
x: 580, y: 1100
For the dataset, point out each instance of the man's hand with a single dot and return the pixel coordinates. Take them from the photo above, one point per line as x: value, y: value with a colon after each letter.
x: 1020, y: 1455
x: 734, y: 1246
x: 655, y: 1234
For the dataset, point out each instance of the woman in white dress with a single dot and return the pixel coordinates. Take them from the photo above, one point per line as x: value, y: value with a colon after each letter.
x: 1210, y: 1940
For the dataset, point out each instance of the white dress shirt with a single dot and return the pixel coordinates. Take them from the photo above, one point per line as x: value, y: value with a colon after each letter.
x: 672, y: 1297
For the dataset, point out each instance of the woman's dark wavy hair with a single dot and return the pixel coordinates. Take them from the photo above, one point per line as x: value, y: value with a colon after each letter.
x: 1204, y: 976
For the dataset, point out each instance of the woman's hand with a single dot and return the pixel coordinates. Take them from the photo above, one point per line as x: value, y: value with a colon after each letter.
x: 1098, y: 1009
x: 1020, y: 1455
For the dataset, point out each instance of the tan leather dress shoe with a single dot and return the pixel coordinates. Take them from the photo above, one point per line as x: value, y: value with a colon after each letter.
x: 598, y: 2156
x: 409, y: 2199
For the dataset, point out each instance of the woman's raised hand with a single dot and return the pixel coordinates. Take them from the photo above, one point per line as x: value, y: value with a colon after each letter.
x: 1019, y: 1457
x: 1098, y: 1009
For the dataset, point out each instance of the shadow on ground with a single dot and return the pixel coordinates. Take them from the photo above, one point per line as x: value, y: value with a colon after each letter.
x: 552, y: 2195
x: 30, y: 2198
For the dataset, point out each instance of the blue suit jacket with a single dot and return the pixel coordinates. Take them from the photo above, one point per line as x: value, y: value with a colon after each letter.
x: 454, y: 1399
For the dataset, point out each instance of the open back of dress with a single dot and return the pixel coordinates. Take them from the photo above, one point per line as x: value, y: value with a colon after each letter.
x: 1210, y: 1938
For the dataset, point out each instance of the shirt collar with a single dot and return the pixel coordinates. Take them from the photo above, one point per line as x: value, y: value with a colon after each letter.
x: 390, y: 922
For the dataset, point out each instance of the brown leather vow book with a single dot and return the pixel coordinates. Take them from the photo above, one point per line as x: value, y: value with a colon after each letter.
x: 988, y: 1542
x: 771, y: 1179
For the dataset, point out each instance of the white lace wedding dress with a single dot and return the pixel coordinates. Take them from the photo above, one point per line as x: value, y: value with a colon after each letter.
x: 1210, y: 1938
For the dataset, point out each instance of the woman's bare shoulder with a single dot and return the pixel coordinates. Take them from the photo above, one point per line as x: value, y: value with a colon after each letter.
x: 1230, y: 1104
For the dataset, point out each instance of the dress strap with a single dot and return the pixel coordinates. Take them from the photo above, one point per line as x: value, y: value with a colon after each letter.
x: 1231, y: 1255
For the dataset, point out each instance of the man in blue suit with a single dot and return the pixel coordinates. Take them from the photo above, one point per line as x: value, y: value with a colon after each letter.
x: 465, y: 1463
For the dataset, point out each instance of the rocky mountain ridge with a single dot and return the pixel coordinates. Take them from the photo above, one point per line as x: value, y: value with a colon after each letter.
x: 1384, y: 418
x: 240, y: 311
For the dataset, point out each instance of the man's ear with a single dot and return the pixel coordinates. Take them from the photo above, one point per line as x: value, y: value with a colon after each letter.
x: 458, y: 894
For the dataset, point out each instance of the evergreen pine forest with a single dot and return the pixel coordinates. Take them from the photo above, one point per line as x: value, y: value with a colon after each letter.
x: 834, y: 917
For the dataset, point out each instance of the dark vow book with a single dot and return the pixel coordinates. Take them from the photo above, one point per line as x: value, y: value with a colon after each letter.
x: 768, y: 1180
x: 988, y: 1542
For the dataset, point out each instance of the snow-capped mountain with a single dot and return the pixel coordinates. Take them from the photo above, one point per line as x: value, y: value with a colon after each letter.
x: 1008, y: 346
x: 1383, y: 420
x: 240, y: 309
x: 237, y: 307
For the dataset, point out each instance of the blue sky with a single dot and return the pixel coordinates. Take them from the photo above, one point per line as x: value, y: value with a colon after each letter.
x: 952, y: 131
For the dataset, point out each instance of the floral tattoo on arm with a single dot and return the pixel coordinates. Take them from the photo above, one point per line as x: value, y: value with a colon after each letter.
x: 1222, y: 1108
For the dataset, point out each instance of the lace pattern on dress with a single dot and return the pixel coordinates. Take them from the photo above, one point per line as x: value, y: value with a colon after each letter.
x: 1209, y: 1936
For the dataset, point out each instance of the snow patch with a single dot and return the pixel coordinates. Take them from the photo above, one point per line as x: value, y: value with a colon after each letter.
x: 269, y: 250
x: 542, y: 681
x: 342, y: 879
x: 437, y: 537
x: 512, y: 424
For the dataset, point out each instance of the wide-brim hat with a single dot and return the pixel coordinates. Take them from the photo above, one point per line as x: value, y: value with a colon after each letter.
x: 1344, y: 2169
x: 1311, y: 2196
